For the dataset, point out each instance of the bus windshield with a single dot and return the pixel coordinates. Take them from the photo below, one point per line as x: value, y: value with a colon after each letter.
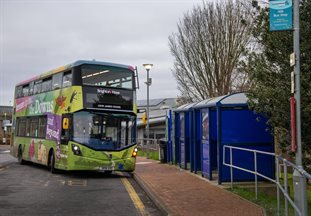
x: 106, y: 76
x: 103, y: 131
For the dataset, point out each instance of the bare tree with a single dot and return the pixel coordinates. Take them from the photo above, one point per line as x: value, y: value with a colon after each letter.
x: 209, y: 43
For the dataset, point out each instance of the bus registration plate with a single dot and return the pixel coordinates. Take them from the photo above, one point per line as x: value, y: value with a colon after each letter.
x: 106, y: 168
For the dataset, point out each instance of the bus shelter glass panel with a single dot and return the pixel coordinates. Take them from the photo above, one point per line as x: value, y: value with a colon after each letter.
x: 206, y: 165
x: 243, y: 128
x: 177, y: 137
x: 182, y: 138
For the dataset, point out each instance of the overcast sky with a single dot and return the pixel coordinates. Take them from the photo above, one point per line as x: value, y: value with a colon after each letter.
x: 40, y: 35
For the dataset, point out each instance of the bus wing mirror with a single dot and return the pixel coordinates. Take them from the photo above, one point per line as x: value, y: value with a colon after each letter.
x: 65, y: 123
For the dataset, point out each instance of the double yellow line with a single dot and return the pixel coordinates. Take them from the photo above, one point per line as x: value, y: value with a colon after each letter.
x: 135, y: 198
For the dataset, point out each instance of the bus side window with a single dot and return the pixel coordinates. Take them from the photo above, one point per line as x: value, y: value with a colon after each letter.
x: 31, y: 88
x: 34, y: 122
x: 19, y: 91
x: 25, y: 90
x: 27, y: 127
x: 37, y: 87
x: 21, y: 126
x: 42, y: 126
x: 47, y: 84
x: 57, y: 81
x: 67, y: 79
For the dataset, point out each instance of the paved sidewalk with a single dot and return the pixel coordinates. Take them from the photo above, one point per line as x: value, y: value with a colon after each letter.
x: 177, y: 192
x: 4, y: 147
x: 5, y: 157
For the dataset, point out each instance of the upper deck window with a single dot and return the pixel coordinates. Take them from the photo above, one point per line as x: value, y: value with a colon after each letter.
x: 47, y: 85
x: 25, y: 90
x: 37, y: 87
x: 57, y: 81
x: 19, y: 92
x: 106, y: 76
x: 67, y: 79
x: 31, y: 85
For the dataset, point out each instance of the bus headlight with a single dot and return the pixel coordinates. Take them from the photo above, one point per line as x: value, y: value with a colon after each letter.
x: 134, y: 153
x: 76, y: 149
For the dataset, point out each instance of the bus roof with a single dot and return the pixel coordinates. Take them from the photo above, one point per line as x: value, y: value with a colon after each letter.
x: 74, y: 64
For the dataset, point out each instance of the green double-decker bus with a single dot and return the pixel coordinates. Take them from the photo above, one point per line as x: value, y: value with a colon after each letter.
x: 81, y: 116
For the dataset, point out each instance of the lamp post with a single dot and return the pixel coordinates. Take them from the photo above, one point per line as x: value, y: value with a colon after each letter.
x: 148, y: 83
x: 5, y: 128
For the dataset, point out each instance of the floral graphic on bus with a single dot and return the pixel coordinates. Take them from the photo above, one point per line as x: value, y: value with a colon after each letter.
x: 58, y: 150
x: 23, y: 103
x: 31, y: 151
x: 74, y: 96
x: 60, y: 101
x: 42, y: 153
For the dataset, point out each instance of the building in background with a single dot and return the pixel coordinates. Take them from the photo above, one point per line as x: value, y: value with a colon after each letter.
x: 157, y: 115
x: 5, y: 124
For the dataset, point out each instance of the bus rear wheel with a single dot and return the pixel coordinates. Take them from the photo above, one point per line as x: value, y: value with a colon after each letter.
x: 20, y: 155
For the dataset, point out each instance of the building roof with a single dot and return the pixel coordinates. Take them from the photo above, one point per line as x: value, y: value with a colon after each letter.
x: 152, y: 102
x: 159, y: 120
x: 170, y: 102
x: 157, y: 111
x: 6, y: 109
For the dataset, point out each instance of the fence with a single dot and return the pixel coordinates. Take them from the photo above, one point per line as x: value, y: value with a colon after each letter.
x: 279, y: 161
x: 154, y: 146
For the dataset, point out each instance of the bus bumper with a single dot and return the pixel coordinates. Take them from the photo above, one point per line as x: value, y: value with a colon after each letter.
x: 101, y: 160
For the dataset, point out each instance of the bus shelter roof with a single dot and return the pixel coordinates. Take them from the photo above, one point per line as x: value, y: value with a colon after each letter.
x: 185, y: 107
x: 235, y: 99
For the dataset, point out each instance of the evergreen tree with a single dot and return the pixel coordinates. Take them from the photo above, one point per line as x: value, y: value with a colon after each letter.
x: 270, y: 74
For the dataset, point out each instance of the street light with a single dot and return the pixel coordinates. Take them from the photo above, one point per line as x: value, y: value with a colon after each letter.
x: 5, y: 129
x: 148, y: 83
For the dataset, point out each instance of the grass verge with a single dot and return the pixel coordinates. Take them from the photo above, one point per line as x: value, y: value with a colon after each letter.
x: 267, y: 198
x: 154, y: 155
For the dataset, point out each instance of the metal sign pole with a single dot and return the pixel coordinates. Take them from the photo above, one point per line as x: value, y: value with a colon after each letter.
x: 298, y: 179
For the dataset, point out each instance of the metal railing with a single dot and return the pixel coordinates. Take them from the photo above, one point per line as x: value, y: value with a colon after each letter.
x: 154, y: 145
x: 278, y: 161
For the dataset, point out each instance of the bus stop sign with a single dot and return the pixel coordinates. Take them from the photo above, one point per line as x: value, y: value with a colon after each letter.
x: 281, y: 15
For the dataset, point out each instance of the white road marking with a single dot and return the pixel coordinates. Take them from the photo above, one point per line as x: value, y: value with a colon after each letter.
x: 46, y: 184
x: 139, y: 163
x: 6, y: 151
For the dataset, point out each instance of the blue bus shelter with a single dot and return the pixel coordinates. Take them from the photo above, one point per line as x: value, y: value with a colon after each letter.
x: 184, y: 128
x: 227, y: 120
x: 168, y: 136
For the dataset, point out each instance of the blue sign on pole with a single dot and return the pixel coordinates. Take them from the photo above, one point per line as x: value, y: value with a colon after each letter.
x: 281, y: 15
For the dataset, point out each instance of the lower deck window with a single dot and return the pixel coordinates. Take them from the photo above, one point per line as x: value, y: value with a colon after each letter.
x: 34, y: 126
